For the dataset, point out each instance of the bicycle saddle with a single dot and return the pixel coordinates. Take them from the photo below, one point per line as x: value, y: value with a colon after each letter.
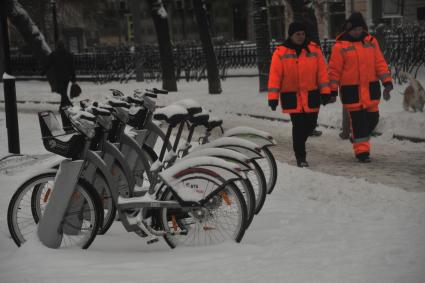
x: 200, y: 119
x: 172, y: 114
x: 214, y: 122
x: 192, y: 106
x: 118, y: 103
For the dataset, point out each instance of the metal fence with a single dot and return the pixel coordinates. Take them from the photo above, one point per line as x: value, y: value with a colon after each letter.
x: 403, y: 49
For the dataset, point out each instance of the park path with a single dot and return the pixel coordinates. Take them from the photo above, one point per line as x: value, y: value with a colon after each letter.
x: 393, y: 163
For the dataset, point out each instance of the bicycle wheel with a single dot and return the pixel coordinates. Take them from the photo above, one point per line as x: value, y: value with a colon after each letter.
x: 269, y: 168
x: 41, y: 192
x: 222, y: 218
x: 23, y: 213
x: 109, y: 209
x: 83, y: 218
x: 259, y: 185
x: 248, y: 193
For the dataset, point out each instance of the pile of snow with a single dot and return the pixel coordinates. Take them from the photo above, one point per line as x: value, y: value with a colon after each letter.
x: 313, y: 228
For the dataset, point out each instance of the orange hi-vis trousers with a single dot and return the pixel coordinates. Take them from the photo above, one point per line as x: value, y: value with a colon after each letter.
x: 362, y: 123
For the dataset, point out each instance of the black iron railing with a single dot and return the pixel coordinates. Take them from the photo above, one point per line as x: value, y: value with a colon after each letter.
x: 404, y: 49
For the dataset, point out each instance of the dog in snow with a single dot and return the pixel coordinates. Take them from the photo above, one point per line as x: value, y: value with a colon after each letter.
x: 414, y: 94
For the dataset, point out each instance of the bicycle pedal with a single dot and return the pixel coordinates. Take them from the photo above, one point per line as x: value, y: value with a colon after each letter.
x: 140, y: 233
x: 152, y: 241
x: 183, y: 233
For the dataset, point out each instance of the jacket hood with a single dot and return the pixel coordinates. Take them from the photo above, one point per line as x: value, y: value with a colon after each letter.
x: 345, y: 36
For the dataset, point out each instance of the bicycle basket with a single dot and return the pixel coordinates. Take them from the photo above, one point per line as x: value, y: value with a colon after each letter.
x: 51, y: 131
x: 138, y: 119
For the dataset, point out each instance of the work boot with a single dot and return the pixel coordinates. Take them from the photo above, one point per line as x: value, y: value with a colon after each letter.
x: 363, y: 157
x: 316, y: 133
x: 302, y: 163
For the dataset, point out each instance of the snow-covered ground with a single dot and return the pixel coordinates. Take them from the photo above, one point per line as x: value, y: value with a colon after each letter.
x: 315, y: 227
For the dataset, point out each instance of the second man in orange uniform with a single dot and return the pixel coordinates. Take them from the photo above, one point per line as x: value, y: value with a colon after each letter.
x: 356, y: 67
x: 299, y: 79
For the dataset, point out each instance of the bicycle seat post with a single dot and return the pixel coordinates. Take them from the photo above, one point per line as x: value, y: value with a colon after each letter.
x: 166, y: 141
x: 178, y: 136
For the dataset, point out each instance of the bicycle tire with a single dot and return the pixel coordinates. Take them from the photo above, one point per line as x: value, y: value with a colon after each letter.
x: 18, y: 236
x: 237, y: 204
x: 249, y: 194
x: 260, y: 185
x: 270, y: 172
x: 39, y: 195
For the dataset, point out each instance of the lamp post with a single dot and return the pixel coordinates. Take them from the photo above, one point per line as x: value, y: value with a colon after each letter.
x: 9, y: 87
x: 55, y: 21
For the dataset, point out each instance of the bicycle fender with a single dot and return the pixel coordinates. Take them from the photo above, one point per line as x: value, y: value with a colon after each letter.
x: 250, y: 149
x: 223, y: 153
x: 212, y: 166
x: 48, y: 230
x: 256, y: 136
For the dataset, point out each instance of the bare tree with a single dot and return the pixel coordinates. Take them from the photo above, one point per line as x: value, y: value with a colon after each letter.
x: 303, y: 11
x: 160, y: 19
x: 134, y: 6
x: 263, y: 41
x: 19, y: 17
x: 214, y: 84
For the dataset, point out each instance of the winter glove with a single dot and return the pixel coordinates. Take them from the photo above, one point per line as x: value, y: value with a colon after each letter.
x: 388, y: 87
x: 273, y: 104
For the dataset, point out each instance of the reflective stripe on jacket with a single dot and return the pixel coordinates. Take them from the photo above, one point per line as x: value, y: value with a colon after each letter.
x: 356, y: 68
x: 298, y: 81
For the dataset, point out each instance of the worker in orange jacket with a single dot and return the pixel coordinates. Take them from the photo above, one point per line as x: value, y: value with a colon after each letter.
x: 356, y: 67
x: 299, y: 78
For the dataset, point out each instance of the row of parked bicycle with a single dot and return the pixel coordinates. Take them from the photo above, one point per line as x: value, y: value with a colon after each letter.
x: 119, y: 165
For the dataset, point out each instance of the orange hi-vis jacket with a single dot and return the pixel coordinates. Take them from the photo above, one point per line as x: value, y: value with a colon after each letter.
x: 356, y: 68
x: 298, y: 80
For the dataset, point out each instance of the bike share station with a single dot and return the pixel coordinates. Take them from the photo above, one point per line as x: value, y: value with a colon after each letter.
x: 111, y: 167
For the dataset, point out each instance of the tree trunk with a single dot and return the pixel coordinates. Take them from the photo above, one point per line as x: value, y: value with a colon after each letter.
x: 263, y: 41
x: 214, y: 84
x: 2, y: 62
x: 160, y: 20
x: 134, y: 6
x: 19, y: 17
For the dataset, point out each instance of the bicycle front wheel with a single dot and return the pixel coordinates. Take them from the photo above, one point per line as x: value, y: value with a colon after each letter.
x: 25, y: 210
x: 269, y: 167
x: 223, y: 217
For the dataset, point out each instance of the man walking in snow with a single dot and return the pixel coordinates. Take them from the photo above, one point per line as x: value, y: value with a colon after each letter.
x: 60, y: 70
x: 356, y: 66
x: 299, y: 78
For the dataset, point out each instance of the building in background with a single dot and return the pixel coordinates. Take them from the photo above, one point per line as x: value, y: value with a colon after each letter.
x: 85, y: 25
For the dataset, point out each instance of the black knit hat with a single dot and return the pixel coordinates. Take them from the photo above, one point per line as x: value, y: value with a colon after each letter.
x: 295, y: 27
x: 355, y: 20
